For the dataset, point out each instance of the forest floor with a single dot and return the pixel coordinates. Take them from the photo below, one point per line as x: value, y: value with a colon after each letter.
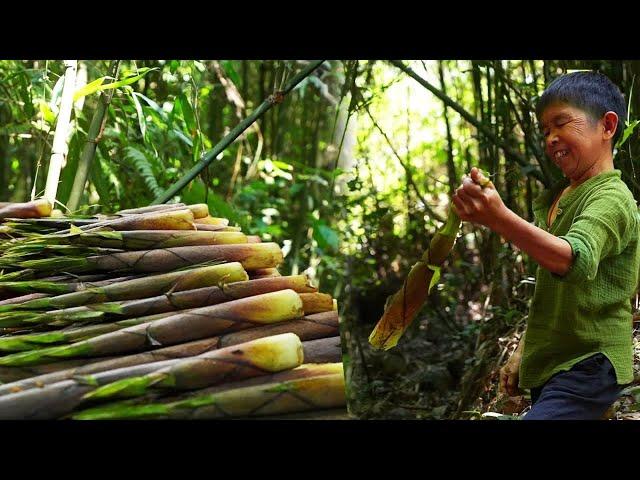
x: 440, y: 370
x: 627, y: 407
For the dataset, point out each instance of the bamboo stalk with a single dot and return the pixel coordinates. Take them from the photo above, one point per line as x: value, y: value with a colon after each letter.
x: 316, y: 302
x: 308, y: 328
x: 216, y: 228
x: 59, y: 148
x: 53, y: 287
x: 152, y: 208
x: 23, y: 298
x: 251, y: 256
x: 263, y: 273
x: 80, y: 285
x: 153, y: 239
x: 192, y: 325
x: 34, y: 209
x: 258, y: 357
x: 209, y: 220
x: 93, y: 137
x: 250, y: 359
x: 165, y: 219
x: 9, y: 375
x: 34, y: 341
x: 180, y: 219
x: 199, y: 210
x: 305, y: 370
x: 323, y: 350
x: 140, y: 287
x: 53, y: 401
x: 283, y: 396
x: 173, y: 301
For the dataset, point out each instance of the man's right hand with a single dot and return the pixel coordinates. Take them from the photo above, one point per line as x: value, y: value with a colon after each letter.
x: 510, y: 373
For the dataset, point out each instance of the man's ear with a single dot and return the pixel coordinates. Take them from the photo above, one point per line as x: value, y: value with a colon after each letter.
x: 610, y: 123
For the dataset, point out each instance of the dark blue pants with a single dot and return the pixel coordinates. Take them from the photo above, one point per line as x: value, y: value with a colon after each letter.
x: 583, y: 393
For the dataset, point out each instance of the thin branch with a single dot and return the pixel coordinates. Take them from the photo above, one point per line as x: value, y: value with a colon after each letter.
x: 471, y: 119
x: 429, y: 210
x: 235, y: 133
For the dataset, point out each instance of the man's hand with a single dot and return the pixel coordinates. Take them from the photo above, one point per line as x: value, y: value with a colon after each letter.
x: 510, y: 373
x: 476, y: 204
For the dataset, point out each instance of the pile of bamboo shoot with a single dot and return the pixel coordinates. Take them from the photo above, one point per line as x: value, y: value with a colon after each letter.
x: 158, y: 312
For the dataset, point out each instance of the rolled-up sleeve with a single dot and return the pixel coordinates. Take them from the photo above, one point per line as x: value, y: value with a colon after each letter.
x: 600, y: 230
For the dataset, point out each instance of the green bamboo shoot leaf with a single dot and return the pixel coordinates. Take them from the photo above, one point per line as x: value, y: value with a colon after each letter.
x: 128, y: 387
x: 87, y: 380
x: 108, y: 235
x: 122, y: 410
x: 436, y: 276
x: 195, y: 402
x: 281, y: 388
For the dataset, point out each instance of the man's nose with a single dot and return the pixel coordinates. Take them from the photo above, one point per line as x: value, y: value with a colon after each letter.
x: 552, y: 140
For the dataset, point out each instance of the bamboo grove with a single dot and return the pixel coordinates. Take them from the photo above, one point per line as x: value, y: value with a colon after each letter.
x: 351, y: 174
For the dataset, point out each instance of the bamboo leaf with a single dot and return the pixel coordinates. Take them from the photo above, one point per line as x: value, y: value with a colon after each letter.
x: 154, y: 106
x: 56, y: 93
x: 141, y: 119
x: 98, y: 86
x: 183, y: 137
x: 89, y: 88
x: 187, y: 112
x: 628, y: 131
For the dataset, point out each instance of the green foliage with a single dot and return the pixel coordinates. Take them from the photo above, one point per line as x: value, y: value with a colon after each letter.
x: 144, y: 168
x: 342, y: 207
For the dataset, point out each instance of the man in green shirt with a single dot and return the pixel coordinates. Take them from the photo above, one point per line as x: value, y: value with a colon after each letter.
x: 577, y: 351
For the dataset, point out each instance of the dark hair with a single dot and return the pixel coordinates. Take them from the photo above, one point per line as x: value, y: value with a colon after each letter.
x: 591, y: 92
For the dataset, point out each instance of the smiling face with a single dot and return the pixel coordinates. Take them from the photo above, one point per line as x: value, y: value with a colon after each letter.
x: 578, y: 145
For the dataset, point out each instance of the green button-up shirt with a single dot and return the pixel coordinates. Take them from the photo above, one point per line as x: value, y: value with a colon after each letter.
x: 588, y: 310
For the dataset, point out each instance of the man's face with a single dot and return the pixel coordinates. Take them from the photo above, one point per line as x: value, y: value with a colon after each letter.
x: 572, y: 139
